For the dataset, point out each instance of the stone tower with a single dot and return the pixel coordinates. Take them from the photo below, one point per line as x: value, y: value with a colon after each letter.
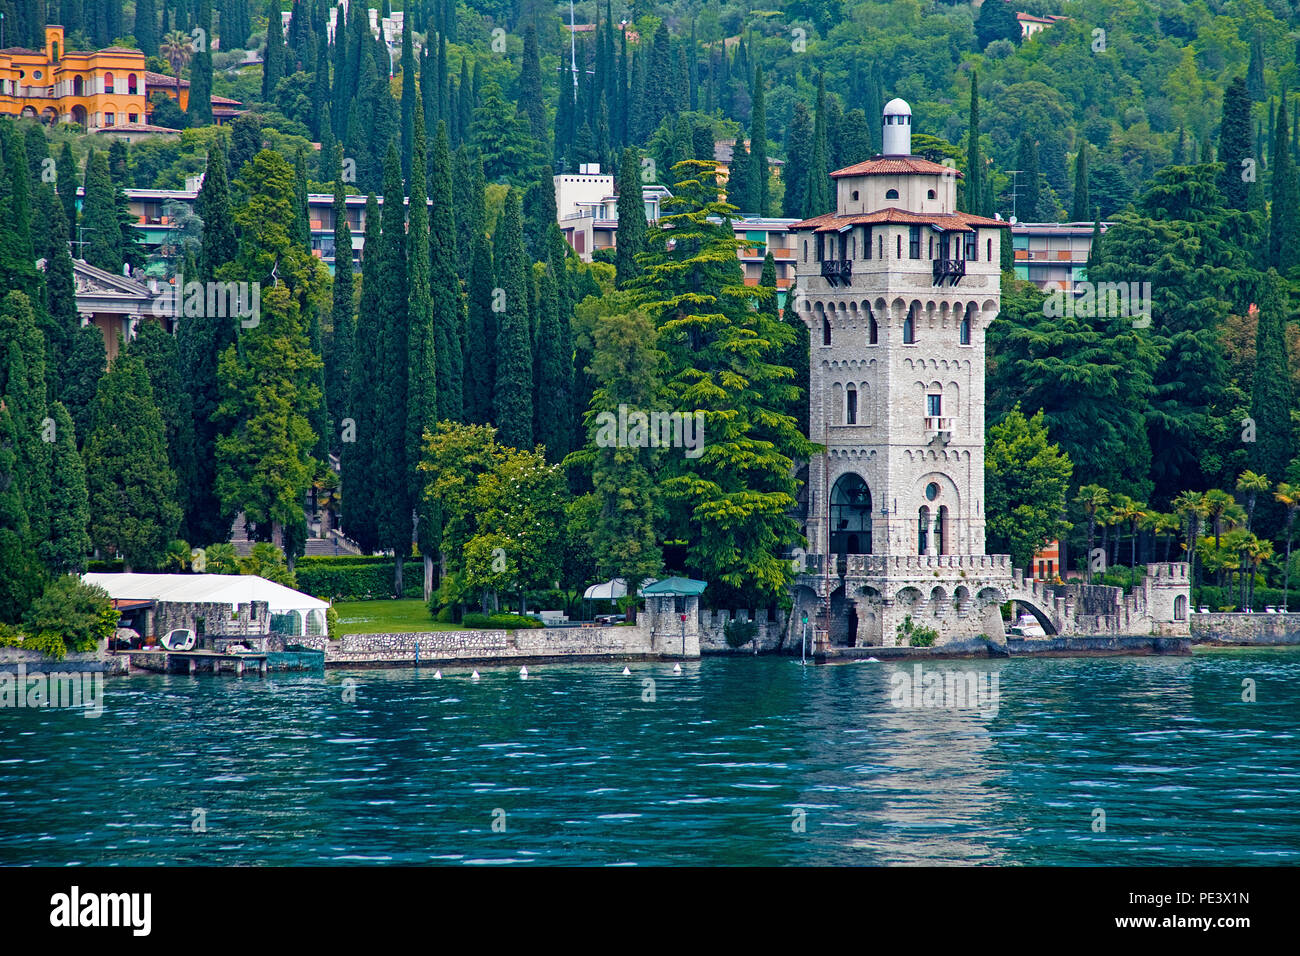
x: 897, y: 289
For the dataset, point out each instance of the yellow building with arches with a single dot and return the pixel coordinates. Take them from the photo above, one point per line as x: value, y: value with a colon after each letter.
x: 99, y: 89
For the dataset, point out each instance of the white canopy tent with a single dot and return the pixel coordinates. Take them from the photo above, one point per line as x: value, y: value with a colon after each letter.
x: 609, y: 591
x: 232, y: 589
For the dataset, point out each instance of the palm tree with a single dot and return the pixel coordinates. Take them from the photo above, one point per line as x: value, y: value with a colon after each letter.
x: 1134, y: 512
x: 1288, y: 496
x: 1191, y: 504
x: 1115, y: 516
x: 1257, y: 551
x: 1091, y: 498
x: 1217, y: 501
x: 1165, y: 525
x: 176, y: 50
x: 1252, y: 484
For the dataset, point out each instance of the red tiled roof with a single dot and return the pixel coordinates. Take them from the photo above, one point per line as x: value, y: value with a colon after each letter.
x: 162, y: 79
x: 893, y: 166
x: 948, y: 222
x: 225, y: 101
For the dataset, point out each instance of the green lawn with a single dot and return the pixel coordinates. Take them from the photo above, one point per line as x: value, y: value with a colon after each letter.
x: 387, y: 617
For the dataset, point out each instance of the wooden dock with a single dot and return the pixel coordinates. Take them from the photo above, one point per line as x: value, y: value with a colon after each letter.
x: 190, y: 660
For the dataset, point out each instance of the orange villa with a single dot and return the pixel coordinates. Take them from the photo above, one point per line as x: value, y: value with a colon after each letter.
x: 98, y: 89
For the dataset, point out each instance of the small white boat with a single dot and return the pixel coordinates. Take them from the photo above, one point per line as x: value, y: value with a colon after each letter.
x: 179, y: 639
x: 1026, y: 626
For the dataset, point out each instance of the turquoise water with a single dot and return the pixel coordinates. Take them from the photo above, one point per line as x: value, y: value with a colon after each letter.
x: 715, y: 770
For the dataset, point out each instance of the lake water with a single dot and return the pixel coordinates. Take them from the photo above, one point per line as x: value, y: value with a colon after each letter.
x: 728, y: 762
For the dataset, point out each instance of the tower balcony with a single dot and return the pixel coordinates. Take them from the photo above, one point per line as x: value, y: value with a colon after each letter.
x: 935, y: 425
x: 952, y: 270
x: 837, y: 271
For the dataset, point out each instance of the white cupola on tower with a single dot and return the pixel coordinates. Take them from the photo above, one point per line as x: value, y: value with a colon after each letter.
x: 897, y: 126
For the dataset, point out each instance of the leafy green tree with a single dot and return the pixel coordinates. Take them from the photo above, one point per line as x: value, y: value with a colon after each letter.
x: 798, y: 149
x: 84, y: 368
x: 66, y: 174
x: 818, y: 199
x: 70, y: 615
x: 974, y: 183
x: 996, y: 21
x: 1081, y: 207
x: 1091, y: 498
x: 200, y: 101
x: 23, y: 390
x: 360, y: 498
x: 274, y: 56
x: 1025, y: 485
x: 338, y: 356
x: 741, y: 189
x: 267, y: 380
x: 1284, y: 232
x: 481, y: 330
x: 758, y: 143
x: 553, y: 364
x: 131, y: 486
x: 721, y: 369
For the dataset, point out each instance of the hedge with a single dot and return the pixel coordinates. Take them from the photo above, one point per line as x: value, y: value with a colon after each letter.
x: 500, y: 622
x: 346, y: 579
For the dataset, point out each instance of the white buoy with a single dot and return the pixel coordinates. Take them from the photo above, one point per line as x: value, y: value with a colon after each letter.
x: 474, y: 676
x: 626, y: 672
x: 523, y: 673
x: 677, y: 668
x: 437, y: 675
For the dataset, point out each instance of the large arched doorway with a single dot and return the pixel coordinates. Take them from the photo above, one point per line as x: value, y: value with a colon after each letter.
x: 850, y: 516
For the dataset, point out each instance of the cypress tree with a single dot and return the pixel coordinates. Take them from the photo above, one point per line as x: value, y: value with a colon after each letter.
x: 60, y: 316
x: 129, y: 482
x: 392, y: 480
x: 273, y: 59
x: 1080, y: 210
x: 199, y: 108
x: 741, y: 189
x: 201, y: 340
x: 818, y: 191
x: 481, y: 334
x: 423, y: 381
x: 24, y: 386
x: 630, y: 238
x: 1284, y: 231
x: 338, y: 361
x: 1271, y: 397
x: 21, y: 575
x: 360, y: 444
x: 1027, y: 163
x: 974, y: 196
x: 301, y: 220
x: 322, y: 123
x: 798, y: 148
x: 1234, y: 144
x: 1255, y: 88
x: 540, y: 214
x: 160, y: 356
x: 512, y: 393
x: 66, y: 174
x: 146, y: 26
x: 17, y: 251
x: 796, y: 351
x: 83, y: 369
x: 408, y: 99
x: 531, y: 102
x: 1180, y: 148
x: 445, y: 284
x: 554, y: 369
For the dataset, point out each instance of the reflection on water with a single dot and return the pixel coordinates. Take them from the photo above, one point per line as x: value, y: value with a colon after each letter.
x: 579, y: 768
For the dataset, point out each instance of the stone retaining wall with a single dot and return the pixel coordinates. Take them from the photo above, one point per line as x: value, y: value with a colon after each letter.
x: 1258, y: 629
x: 90, y: 661
x: 479, y: 645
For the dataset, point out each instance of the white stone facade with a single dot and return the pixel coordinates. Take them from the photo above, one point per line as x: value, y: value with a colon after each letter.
x: 898, y: 289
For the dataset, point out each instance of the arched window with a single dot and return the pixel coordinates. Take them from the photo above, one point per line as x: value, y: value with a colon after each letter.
x: 909, y: 331
x: 922, y: 529
x: 108, y: 82
x: 826, y: 331
x: 872, y: 332
x: 941, y: 531
x: 54, y: 51
x: 929, y: 194
x: 988, y: 256
x: 851, y: 406
x: 855, y: 195
x: 805, y: 250
x: 850, y: 516
x: 932, y: 247
x: 132, y: 86
x: 965, y: 331
x: 1180, y: 608
x: 78, y: 86
x: 899, y: 253
x: 891, y: 193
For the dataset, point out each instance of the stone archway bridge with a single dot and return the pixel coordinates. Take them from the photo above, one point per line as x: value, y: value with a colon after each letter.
x: 960, y: 596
